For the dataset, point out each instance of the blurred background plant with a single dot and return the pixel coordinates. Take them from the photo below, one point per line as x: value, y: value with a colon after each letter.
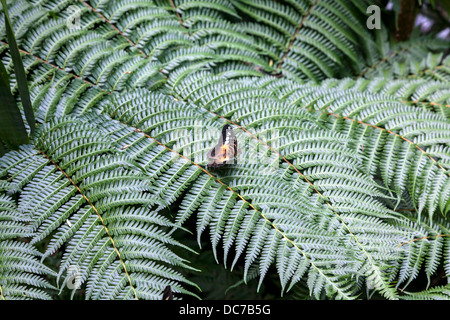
x: 425, y: 16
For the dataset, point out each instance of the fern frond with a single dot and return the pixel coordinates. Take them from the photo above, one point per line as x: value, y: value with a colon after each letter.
x: 22, y: 275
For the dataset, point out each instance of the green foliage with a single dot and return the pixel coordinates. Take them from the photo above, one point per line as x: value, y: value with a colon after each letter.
x: 19, y: 73
x: 349, y: 198
x: 12, y: 129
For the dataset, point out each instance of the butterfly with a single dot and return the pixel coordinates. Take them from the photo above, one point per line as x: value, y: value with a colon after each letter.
x: 167, y: 293
x: 226, y: 149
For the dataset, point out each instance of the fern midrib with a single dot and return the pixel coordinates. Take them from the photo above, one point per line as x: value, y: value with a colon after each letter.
x: 431, y: 103
x: 382, y: 60
x: 50, y: 64
x: 295, y: 34
x: 393, y: 133
x: 257, y: 68
x: 177, y: 14
x: 112, y: 25
x: 426, y: 71
x: 100, y: 217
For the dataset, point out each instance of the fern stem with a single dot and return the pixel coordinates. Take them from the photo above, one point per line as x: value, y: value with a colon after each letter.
x: 391, y: 132
x: 51, y: 65
x: 100, y: 217
x: 121, y: 33
x: 114, y: 27
x: 426, y: 71
x: 296, y: 33
x: 178, y: 15
x: 423, y: 238
x: 384, y: 59
x: 431, y: 103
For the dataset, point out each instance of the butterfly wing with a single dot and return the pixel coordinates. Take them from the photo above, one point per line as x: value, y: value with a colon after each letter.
x: 167, y: 293
x: 212, y: 153
x: 225, y: 150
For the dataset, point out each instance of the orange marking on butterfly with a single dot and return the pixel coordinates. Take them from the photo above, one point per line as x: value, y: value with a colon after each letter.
x: 223, y: 152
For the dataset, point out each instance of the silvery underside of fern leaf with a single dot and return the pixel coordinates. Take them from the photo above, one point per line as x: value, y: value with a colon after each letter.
x: 341, y: 186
